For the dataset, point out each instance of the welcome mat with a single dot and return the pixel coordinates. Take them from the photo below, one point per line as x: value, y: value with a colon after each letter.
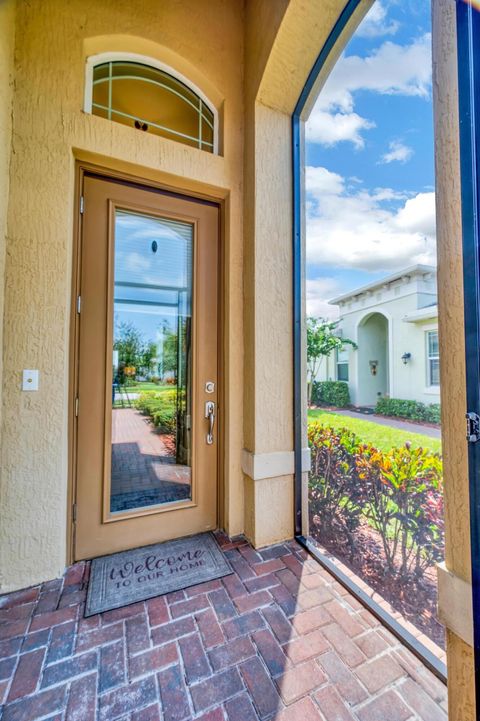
x: 131, y: 576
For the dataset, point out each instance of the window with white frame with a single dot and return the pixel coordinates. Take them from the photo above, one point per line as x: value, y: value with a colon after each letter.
x: 145, y: 95
x: 433, y: 358
x: 342, y: 364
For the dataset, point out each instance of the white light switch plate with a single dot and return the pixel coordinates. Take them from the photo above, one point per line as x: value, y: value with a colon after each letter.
x: 30, y: 380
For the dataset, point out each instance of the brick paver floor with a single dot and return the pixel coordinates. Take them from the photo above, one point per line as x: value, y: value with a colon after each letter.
x: 279, y: 639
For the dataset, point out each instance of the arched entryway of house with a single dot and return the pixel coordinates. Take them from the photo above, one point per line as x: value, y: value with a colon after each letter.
x: 308, y: 38
x: 372, y: 359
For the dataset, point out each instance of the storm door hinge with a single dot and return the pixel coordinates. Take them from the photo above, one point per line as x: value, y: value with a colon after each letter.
x: 74, y: 513
x: 79, y: 304
x: 82, y: 205
x: 473, y: 427
x: 76, y: 406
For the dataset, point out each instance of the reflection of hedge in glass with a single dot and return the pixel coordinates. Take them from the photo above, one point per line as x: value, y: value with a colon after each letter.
x: 161, y: 406
x: 398, y: 492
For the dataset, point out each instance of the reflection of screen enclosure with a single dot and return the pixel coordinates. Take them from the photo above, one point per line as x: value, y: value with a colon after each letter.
x: 151, y: 365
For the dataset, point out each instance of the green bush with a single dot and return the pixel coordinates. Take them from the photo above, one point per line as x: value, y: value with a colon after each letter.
x: 331, y: 393
x: 161, y: 406
x: 412, y: 410
x: 398, y: 492
x: 165, y: 420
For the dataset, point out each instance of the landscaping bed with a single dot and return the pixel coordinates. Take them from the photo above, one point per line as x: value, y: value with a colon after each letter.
x: 381, y: 513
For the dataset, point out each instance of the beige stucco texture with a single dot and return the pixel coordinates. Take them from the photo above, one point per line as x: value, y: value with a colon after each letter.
x: 251, y: 59
x: 50, y: 130
x: 452, y: 346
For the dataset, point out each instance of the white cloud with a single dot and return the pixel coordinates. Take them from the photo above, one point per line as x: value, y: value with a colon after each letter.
x: 320, y: 180
x: 398, y: 151
x: 331, y: 128
x: 375, y: 23
x: 361, y: 230
x: 318, y: 291
x: 418, y: 215
x: 391, y: 69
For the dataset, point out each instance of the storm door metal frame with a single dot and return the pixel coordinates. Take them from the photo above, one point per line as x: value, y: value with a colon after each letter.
x: 407, y: 638
x: 468, y: 54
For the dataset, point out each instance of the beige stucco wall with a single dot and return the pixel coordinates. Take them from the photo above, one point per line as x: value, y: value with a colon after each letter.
x: 452, y: 348
x: 7, y: 39
x: 49, y: 131
x: 282, y: 40
x: 278, y: 61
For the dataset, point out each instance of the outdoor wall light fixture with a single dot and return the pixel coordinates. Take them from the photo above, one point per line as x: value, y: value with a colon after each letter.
x: 373, y: 367
x: 406, y: 357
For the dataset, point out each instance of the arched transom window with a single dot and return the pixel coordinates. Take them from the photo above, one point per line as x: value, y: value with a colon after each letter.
x: 150, y: 98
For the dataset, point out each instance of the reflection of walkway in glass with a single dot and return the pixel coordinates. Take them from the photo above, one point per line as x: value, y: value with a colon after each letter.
x: 144, y: 471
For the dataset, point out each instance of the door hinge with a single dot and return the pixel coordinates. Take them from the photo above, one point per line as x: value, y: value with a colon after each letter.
x: 82, y: 205
x: 473, y: 427
x: 76, y: 406
x: 79, y: 304
x: 74, y: 513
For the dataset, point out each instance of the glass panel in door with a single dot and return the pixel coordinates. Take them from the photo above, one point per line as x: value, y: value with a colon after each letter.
x: 151, y: 437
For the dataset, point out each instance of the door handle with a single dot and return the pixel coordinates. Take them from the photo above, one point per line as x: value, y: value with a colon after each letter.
x: 210, y: 414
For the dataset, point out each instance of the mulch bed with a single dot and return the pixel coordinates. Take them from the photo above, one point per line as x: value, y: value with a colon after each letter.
x: 170, y: 443
x: 415, y: 599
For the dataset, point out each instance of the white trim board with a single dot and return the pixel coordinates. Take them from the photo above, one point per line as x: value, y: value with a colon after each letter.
x: 272, y: 465
x: 455, y: 608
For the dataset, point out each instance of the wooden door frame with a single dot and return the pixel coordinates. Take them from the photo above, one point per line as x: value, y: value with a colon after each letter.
x: 113, y: 175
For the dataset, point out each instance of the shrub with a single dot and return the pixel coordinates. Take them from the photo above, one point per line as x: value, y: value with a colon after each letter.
x: 165, y: 420
x: 399, y: 493
x: 398, y: 486
x: 335, y: 496
x: 332, y: 393
x: 161, y: 406
x: 413, y: 410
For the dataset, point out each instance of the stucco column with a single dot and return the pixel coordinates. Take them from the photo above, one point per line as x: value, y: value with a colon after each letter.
x: 267, y: 458
x: 283, y: 40
x: 454, y: 576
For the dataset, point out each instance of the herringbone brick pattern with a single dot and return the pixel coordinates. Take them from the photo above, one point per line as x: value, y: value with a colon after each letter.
x: 279, y: 639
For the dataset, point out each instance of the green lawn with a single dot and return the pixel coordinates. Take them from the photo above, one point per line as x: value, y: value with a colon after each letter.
x: 382, y: 437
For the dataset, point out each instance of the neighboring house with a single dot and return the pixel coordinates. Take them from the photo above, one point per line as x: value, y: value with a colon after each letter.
x: 394, y: 322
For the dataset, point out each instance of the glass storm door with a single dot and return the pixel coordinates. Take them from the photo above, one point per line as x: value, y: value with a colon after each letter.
x: 146, y: 460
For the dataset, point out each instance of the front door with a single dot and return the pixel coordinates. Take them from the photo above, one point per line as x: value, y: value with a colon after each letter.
x: 146, y: 396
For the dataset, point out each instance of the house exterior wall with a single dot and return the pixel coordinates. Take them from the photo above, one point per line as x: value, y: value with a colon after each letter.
x: 50, y: 131
x: 361, y: 322
x: 204, y: 39
x: 7, y: 42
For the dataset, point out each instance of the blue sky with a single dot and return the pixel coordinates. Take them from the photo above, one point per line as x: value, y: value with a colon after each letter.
x: 369, y: 156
